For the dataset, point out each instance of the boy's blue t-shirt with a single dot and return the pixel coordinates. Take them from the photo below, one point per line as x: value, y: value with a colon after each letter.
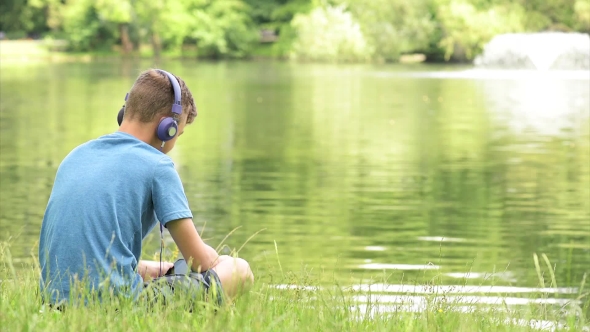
x: 108, y: 194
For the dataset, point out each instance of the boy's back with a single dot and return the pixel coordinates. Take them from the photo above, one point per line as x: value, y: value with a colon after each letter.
x: 108, y: 194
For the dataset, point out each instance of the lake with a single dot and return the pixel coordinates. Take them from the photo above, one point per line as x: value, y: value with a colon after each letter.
x: 356, y: 173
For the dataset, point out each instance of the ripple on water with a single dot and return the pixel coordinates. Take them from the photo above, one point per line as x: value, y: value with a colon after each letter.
x: 379, y: 299
x: 407, y: 267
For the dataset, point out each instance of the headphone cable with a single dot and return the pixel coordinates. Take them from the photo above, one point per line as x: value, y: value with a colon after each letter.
x: 161, y: 247
x: 161, y: 229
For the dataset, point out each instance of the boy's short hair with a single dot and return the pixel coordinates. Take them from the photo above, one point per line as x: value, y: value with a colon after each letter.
x: 152, y: 96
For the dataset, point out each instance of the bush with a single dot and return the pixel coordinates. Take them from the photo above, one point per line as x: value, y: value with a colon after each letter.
x: 394, y: 27
x: 329, y: 34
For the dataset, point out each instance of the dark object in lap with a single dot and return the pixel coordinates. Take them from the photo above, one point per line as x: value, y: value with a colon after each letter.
x: 180, y: 282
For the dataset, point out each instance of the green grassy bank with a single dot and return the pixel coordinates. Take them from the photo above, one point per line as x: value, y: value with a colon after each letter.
x: 270, y: 308
x: 54, y: 51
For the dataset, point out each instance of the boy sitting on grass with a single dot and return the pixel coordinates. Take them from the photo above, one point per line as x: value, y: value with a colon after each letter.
x: 110, y: 192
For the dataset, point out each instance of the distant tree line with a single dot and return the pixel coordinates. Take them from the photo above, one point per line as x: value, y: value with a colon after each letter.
x: 325, y: 30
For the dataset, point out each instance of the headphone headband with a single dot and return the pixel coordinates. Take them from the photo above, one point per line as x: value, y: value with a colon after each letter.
x: 177, y: 106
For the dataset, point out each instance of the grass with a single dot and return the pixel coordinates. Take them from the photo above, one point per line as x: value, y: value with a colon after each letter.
x: 37, y: 50
x: 306, y: 307
x: 55, y: 51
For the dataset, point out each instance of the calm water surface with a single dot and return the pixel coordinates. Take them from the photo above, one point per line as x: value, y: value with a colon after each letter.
x: 385, y: 173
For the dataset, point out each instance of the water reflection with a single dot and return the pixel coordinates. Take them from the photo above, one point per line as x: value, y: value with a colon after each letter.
x: 375, y: 248
x: 440, y: 239
x: 486, y: 74
x: 506, y: 276
x: 407, y: 267
x: 355, y: 171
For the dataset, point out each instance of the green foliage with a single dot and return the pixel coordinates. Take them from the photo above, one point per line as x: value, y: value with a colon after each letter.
x: 467, y: 29
x: 262, y: 10
x: 582, y: 11
x: 394, y: 27
x: 117, y: 11
x: 329, y: 34
x: 548, y: 14
x: 223, y: 28
x: 289, y: 9
x: 441, y: 29
x: 52, y: 8
x: 83, y: 28
x: 281, y: 22
x: 166, y: 23
x: 19, y: 16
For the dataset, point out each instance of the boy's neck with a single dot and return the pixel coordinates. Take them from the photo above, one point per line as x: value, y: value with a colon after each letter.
x: 145, y: 132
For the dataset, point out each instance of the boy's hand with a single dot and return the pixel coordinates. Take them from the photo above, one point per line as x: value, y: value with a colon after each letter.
x: 151, y: 269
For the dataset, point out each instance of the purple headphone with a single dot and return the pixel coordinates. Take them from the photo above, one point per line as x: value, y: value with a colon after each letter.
x: 168, y: 127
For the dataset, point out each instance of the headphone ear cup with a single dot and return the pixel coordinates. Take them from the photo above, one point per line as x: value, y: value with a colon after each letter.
x: 167, y: 129
x: 120, y: 115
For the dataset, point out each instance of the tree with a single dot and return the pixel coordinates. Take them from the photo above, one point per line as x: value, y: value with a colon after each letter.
x: 165, y: 21
x: 52, y: 10
x: 20, y: 16
x: 82, y: 27
x: 118, y: 12
x: 223, y: 28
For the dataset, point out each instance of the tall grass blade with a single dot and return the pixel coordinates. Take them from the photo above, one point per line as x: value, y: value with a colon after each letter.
x: 250, y: 238
x: 219, y: 246
x: 551, y: 271
x: 538, y: 269
x: 8, y: 259
x: 278, y: 259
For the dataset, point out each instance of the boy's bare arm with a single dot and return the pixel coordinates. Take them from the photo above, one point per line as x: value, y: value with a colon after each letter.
x: 191, y: 245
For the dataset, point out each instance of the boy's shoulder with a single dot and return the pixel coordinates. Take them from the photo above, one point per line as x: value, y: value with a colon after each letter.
x: 120, y: 149
x: 120, y: 142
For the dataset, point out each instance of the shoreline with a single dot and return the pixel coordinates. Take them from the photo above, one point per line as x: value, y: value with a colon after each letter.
x: 23, y: 51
